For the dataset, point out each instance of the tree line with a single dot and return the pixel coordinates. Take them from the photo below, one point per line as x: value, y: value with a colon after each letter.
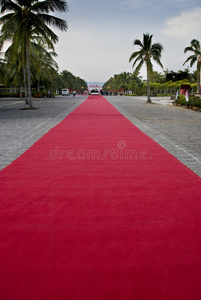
x: 48, y: 80
x: 29, y: 60
x: 165, y: 84
x: 160, y: 83
x: 30, y: 56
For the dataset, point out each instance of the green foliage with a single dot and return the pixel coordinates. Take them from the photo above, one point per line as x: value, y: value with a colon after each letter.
x: 181, y: 100
x: 195, y: 57
x: 177, y: 76
x: 8, y: 94
x: 146, y: 54
x: 139, y: 87
x: 25, y: 23
x: 193, y: 101
x: 72, y: 82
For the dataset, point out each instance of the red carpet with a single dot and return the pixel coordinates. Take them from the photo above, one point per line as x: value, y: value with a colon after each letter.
x: 97, y: 210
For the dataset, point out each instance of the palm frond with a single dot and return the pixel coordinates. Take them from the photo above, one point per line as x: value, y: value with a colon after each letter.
x: 157, y: 47
x: 53, y: 21
x: 192, y: 59
x: 188, y: 49
x: 50, y: 5
x: 137, y: 69
x: 138, y: 43
x: 134, y: 55
x: 9, y: 6
x: 157, y: 59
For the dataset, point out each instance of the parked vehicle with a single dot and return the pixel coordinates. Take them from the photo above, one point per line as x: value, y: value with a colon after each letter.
x: 65, y: 92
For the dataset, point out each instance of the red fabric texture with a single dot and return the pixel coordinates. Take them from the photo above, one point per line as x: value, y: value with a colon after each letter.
x: 96, y: 209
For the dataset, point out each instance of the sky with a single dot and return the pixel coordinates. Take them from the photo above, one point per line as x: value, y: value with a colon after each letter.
x: 100, y: 35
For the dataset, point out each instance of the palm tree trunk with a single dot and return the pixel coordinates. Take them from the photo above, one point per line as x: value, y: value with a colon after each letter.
x: 38, y: 86
x: 25, y: 85
x: 20, y: 86
x: 198, y: 78
x: 28, y: 72
x: 148, y: 88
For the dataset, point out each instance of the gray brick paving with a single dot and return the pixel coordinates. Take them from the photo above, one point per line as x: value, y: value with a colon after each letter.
x: 20, y: 129
x: 176, y: 129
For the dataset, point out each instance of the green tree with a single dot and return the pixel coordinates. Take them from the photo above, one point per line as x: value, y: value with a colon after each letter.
x: 156, y: 77
x: 72, y: 82
x: 147, y: 52
x: 27, y: 19
x: 135, y: 83
x: 42, y: 63
x: 123, y: 81
x: 68, y: 79
x: 195, y: 48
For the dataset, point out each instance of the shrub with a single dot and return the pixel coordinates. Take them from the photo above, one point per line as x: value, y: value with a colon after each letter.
x: 8, y: 95
x: 37, y: 95
x: 181, y: 100
x: 193, y: 101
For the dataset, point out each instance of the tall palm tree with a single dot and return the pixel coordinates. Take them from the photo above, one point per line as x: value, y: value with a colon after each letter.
x: 144, y: 55
x: 26, y: 19
x: 195, y: 57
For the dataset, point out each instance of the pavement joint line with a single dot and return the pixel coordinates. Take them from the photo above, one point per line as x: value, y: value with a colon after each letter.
x: 55, y: 117
x: 23, y: 142
x: 176, y: 146
x: 19, y: 145
x: 13, y: 147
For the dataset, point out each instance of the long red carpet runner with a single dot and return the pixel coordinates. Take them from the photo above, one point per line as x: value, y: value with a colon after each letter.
x: 98, y: 210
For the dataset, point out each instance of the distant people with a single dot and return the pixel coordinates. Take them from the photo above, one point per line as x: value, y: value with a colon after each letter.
x: 74, y: 93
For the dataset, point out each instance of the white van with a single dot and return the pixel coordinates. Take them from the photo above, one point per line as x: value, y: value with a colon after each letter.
x: 65, y: 92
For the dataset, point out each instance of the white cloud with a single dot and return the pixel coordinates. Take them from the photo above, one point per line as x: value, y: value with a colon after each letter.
x: 186, y: 25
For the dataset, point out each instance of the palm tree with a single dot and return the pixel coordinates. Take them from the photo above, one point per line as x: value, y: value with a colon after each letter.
x: 68, y: 79
x: 27, y: 19
x: 195, y: 57
x: 144, y: 55
x: 123, y: 81
x: 43, y: 64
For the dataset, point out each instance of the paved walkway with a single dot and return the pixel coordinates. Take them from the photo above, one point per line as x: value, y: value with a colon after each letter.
x: 20, y: 129
x: 178, y: 130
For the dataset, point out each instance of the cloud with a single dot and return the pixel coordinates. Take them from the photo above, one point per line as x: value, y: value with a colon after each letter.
x: 186, y: 25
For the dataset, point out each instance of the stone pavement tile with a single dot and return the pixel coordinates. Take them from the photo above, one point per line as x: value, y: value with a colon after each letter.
x: 176, y: 129
x: 20, y: 129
